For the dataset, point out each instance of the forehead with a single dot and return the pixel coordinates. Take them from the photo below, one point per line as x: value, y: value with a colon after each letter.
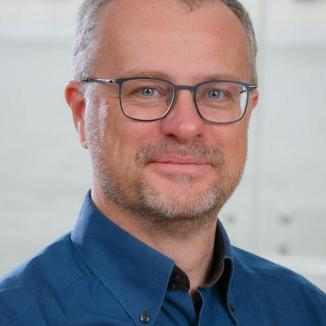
x: 166, y: 34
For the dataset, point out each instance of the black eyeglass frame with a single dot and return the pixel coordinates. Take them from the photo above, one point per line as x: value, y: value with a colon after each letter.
x: 119, y: 81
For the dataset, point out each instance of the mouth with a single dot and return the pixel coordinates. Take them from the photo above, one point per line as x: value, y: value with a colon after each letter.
x: 180, y: 165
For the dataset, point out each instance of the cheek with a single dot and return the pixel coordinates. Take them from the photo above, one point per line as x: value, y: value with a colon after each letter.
x: 115, y: 140
x: 124, y: 137
x: 233, y: 142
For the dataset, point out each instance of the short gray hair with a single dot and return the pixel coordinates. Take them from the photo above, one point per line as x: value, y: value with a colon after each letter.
x: 89, y: 17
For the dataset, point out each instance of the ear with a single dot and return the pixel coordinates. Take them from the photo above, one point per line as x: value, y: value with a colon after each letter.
x: 253, y: 100
x: 76, y: 101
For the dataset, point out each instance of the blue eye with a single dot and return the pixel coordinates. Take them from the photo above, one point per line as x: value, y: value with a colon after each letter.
x: 148, y: 91
x: 215, y: 94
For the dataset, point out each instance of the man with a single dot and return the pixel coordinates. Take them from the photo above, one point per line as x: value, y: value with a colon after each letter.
x: 162, y: 98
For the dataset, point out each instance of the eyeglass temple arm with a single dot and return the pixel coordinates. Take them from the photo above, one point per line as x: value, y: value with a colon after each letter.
x: 252, y: 87
x: 98, y: 80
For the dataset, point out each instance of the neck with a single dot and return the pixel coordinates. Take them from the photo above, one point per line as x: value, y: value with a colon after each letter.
x: 189, y: 243
x: 192, y: 254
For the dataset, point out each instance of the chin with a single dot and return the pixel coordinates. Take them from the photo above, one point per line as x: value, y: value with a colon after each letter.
x: 180, y: 200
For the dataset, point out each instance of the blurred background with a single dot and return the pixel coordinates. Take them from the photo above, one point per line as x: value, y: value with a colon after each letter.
x: 279, y: 211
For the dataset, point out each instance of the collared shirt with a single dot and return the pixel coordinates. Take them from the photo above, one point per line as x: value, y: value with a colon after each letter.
x: 101, y: 275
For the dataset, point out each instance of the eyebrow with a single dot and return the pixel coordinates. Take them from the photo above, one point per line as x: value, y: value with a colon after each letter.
x: 199, y: 78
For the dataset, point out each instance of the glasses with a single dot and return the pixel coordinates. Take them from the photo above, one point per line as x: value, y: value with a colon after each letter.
x: 150, y: 99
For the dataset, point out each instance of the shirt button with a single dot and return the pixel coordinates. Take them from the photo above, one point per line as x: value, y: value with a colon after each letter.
x: 145, y: 317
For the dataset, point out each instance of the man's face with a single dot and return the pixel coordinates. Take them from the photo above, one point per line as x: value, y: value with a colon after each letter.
x: 179, y: 167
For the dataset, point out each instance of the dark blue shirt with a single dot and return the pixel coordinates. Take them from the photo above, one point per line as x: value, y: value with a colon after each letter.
x: 101, y: 275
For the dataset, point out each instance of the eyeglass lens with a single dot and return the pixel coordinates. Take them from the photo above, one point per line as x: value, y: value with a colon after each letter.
x: 150, y: 99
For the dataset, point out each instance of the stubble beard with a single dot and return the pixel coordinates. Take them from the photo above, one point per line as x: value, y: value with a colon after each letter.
x: 181, y: 211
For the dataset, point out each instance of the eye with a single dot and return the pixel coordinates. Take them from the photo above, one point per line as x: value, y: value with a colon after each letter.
x: 215, y: 94
x: 147, y: 91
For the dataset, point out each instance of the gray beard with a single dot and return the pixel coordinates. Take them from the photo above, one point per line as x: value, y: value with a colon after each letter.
x: 159, y: 207
x: 159, y: 210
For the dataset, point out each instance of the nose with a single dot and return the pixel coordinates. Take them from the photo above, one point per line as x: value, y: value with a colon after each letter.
x: 183, y: 122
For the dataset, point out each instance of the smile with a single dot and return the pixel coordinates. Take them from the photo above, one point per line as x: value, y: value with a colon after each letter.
x: 180, y: 165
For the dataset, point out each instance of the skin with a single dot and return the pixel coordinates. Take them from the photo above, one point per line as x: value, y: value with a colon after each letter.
x: 192, y: 160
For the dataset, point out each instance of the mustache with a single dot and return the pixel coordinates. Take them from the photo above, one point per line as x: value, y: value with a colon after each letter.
x: 196, y: 149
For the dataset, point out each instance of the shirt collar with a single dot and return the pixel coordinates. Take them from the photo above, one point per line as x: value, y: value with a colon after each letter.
x: 225, y: 281
x: 136, y: 274
x: 121, y: 262
x: 179, y: 280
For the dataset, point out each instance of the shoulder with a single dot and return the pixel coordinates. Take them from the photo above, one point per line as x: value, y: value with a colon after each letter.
x: 274, y: 283
x: 46, y: 275
x: 255, y: 266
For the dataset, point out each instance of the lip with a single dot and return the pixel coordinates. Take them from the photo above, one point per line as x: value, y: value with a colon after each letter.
x: 182, y: 165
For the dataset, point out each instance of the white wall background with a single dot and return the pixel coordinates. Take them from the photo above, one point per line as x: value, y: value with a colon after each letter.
x: 279, y: 211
